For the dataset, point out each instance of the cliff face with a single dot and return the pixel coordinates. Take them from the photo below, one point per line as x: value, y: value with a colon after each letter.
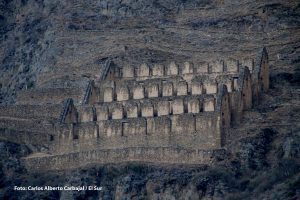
x: 50, y: 36
x: 46, y: 36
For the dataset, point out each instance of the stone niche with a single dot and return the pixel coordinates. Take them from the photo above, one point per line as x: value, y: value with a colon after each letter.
x: 172, y: 69
x: 209, y: 105
x: 128, y: 71
x: 182, y: 88
x: 147, y: 109
x: 138, y: 92
x: 202, y: 68
x: 187, y: 68
x: 232, y: 65
x: 211, y: 87
x: 196, y: 87
x: 116, y: 111
x: 152, y: 90
x: 178, y: 106
x: 163, y: 108
x: 101, y: 112
x: 131, y: 110
x: 217, y: 66
x: 193, y: 105
x: 108, y: 94
x: 122, y: 93
x: 167, y: 90
x: 143, y: 70
x: 158, y: 70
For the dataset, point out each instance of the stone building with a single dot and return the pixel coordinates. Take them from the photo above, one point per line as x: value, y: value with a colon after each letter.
x: 149, y: 113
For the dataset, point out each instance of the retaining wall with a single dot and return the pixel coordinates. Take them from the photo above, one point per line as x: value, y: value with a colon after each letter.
x: 149, y: 155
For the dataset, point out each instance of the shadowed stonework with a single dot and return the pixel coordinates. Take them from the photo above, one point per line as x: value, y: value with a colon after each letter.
x: 151, y: 113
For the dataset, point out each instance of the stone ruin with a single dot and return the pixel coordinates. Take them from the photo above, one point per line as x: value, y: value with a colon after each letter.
x: 148, y: 113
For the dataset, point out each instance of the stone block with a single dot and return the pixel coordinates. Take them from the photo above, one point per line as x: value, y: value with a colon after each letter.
x: 172, y: 69
x: 202, y: 68
x: 210, y: 88
x: 196, y: 87
x: 187, y: 68
x: 193, y: 105
x: 209, y: 105
x: 117, y: 111
x: 138, y: 92
x: 178, y: 106
x: 152, y: 90
x: 122, y: 93
x: 232, y: 65
x: 131, y: 110
x: 158, y: 70
x: 217, y: 67
x: 182, y: 88
x: 167, y: 90
x: 108, y: 95
x: 86, y: 113
x: 128, y: 71
x: 147, y: 110
x: 143, y: 70
x: 163, y: 108
x: 101, y: 112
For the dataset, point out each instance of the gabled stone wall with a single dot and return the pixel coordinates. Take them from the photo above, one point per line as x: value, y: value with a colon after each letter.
x: 140, y: 111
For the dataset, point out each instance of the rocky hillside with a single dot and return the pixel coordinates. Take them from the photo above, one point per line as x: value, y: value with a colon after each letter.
x: 262, y: 163
x: 63, y: 35
x: 45, y: 36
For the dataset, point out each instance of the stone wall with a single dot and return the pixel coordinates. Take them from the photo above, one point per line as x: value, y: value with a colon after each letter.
x: 147, y: 107
x: 142, y: 113
x: 127, y: 90
x: 201, y: 130
x: 146, y: 71
x: 139, y: 154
